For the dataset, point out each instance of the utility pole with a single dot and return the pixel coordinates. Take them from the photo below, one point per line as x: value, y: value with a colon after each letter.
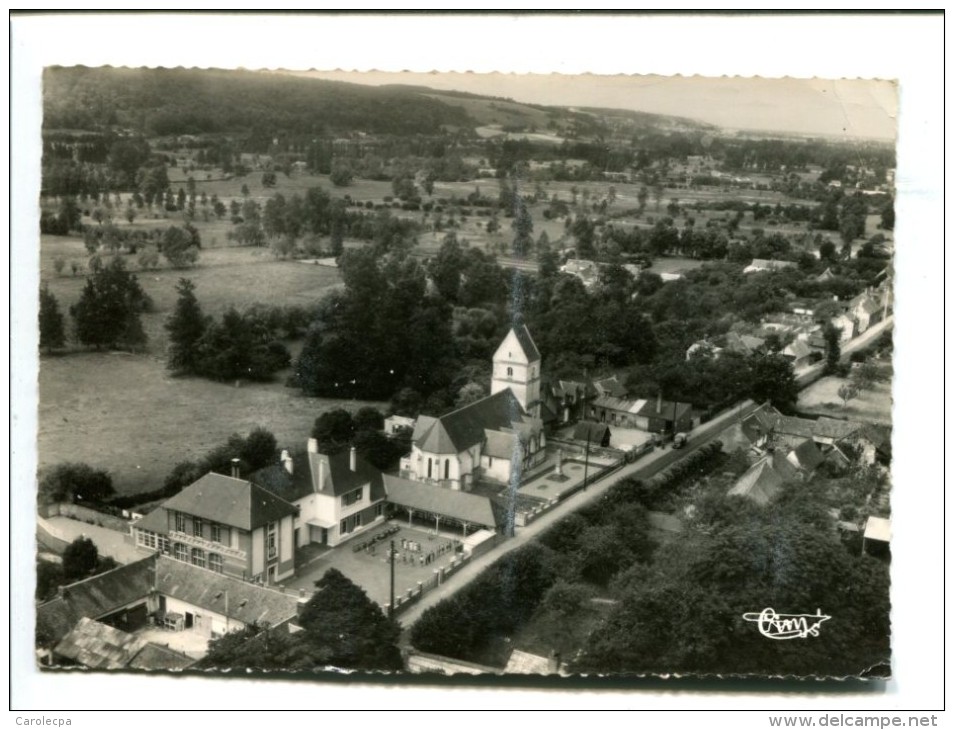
x: 391, y: 555
x: 586, y: 457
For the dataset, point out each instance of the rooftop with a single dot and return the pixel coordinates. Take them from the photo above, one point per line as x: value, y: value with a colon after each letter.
x: 230, y: 501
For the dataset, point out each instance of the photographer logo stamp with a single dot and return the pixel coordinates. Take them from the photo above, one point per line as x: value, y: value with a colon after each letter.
x: 781, y: 626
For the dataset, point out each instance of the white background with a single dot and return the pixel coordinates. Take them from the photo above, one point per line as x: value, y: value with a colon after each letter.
x: 906, y: 48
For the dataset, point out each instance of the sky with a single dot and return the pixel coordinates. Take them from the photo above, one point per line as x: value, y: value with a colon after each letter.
x: 846, y: 107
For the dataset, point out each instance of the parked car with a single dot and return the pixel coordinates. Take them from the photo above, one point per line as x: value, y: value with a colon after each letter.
x: 680, y: 440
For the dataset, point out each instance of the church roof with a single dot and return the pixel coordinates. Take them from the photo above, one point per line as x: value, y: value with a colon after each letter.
x: 463, y: 428
x: 526, y: 342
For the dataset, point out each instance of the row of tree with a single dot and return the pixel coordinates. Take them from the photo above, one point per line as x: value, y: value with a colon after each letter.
x: 240, y: 346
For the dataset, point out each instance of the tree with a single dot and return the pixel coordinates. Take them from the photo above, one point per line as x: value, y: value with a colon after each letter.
x: 523, y: 229
x: 52, y: 334
x: 341, y: 175
x: 446, y: 268
x: 185, y: 327
x: 69, y: 482
x: 368, y: 418
x: 470, y: 393
x: 269, y: 179
x: 865, y: 375
x: 772, y: 379
x: 846, y: 392
x: 260, y: 448
x: 108, y: 311
x: 832, y: 336
x: 334, y: 430
x: 179, y: 248
x: 80, y: 559
x: 827, y: 250
x: 642, y: 196
x: 348, y: 628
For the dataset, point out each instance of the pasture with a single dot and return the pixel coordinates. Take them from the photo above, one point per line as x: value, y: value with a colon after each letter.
x: 128, y: 415
x: 871, y: 406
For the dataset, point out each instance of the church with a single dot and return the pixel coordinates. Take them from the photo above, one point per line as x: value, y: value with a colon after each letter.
x: 498, y: 438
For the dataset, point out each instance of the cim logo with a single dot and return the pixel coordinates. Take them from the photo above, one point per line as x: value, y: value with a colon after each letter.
x: 781, y: 626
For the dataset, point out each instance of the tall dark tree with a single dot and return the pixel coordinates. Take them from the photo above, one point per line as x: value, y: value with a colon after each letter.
x: 108, y: 311
x: 70, y: 482
x: 342, y: 621
x: 80, y: 559
x: 52, y: 334
x: 186, y: 327
x: 772, y: 379
x: 260, y: 448
x: 832, y: 337
x: 446, y: 267
x: 523, y: 230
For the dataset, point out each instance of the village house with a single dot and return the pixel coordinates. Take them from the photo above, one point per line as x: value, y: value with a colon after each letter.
x: 767, y: 265
x: 586, y: 271
x: 155, y: 613
x: 226, y: 524
x: 866, y: 310
x: 655, y: 415
x: 336, y: 495
x: 799, y: 353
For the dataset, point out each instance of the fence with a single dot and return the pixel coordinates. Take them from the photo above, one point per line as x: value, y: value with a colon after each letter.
x: 413, y: 594
x: 85, y: 514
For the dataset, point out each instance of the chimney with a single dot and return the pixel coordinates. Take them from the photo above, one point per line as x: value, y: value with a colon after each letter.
x: 553, y: 663
x: 288, y: 462
x: 235, y: 468
x: 321, y: 474
x: 312, y: 446
x: 353, y: 462
x: 659, y: 402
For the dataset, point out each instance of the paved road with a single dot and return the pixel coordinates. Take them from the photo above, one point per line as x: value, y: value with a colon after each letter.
x: 807, y: 376
x: 108, y: 542
x: 645, y: 467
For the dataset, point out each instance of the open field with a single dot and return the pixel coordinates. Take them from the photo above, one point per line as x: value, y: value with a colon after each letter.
x: 871, y: 406
x: 126, y: 414
x: 224, y: 277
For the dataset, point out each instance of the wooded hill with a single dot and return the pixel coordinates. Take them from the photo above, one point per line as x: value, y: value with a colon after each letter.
x: 162, y: 101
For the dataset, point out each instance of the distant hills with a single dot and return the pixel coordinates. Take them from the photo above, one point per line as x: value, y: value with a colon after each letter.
x: 179, y: 101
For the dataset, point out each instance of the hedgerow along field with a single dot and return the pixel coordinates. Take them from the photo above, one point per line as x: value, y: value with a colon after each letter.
x: 125, y: 412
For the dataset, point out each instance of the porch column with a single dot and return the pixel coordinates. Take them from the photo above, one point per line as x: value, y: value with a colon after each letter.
x: 410, y: 517
x: 465, y: 528
x: 437, y: 520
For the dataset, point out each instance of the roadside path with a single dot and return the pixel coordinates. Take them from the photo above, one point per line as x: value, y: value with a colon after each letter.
x: 109, y: 542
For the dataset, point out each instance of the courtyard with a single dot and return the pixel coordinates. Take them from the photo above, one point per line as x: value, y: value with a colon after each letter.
x: 419, y: 552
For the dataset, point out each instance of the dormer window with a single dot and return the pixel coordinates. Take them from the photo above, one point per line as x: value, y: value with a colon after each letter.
x: 352, y: 497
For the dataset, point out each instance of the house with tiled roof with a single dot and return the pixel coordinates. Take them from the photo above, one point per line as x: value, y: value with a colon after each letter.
x: 227, y: 524
x: 761, y: 483
x: 654, y: 414
x: 141, y: 615
x: 867, y: 309
x: 767, y: 265
x: 337, y: 495
x: 798, y: 353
